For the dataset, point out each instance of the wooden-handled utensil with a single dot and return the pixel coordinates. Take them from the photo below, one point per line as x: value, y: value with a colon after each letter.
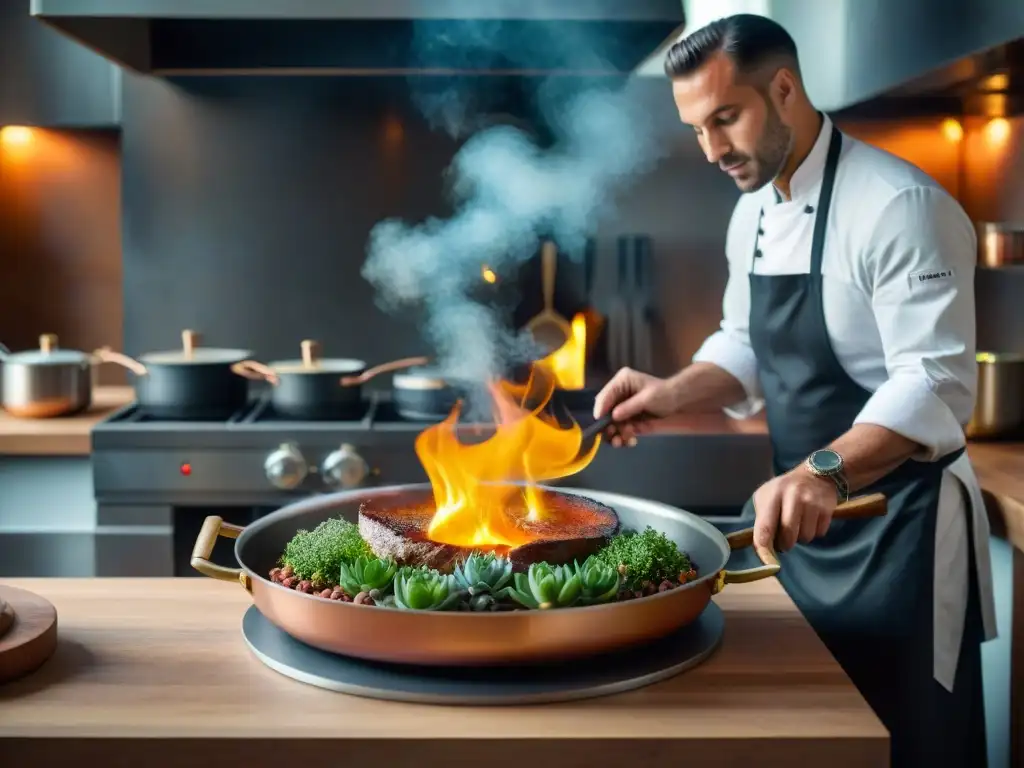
x: 549, y: 328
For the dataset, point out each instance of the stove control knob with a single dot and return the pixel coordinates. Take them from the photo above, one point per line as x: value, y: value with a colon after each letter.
x: 344, y: 468
x: 286, y: 468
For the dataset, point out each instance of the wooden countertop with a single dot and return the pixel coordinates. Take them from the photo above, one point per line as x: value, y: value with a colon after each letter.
x: 68, y: 436
x: 154, y: 672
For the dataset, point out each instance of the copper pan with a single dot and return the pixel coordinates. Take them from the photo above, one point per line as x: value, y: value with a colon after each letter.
x: 452, y: 639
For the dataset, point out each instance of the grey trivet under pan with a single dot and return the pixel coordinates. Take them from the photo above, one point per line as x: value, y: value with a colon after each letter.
x: 536, y: 684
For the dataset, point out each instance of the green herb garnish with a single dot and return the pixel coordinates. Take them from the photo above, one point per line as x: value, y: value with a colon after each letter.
x: 647, y: 556
x: 317, y: 555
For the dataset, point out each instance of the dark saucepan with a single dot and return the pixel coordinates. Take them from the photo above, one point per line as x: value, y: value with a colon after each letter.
x: 423, y: 394
x: 316, y: 389
x: 189, y: 384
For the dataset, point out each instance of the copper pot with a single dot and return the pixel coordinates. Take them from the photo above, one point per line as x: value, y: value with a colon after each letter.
x: 999, y: 406
x: 451, y: 639
x: 1000, y: 243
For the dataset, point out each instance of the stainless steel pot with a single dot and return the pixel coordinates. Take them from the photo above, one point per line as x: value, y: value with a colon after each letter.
x: 999, y: 408
x: 1000, y: 243
x: 47, y: 382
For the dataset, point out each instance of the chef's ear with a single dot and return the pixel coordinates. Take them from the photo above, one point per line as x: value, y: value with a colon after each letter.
x: 784, y: 89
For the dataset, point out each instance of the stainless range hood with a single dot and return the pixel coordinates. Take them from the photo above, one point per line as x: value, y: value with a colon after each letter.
x: 367, y: 37
x: 925, y: 54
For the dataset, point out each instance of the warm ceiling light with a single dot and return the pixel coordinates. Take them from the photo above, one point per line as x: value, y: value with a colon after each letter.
x: 997, y: 130
x: 952, y: 130
x: 15, y: 135
x: 488, y: 275
x: 997, y: 82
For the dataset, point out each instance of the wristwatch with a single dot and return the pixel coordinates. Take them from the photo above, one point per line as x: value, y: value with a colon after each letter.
x: 828, y: 463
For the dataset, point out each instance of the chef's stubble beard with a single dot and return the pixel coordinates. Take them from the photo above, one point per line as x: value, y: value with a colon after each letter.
x: 774, y: 149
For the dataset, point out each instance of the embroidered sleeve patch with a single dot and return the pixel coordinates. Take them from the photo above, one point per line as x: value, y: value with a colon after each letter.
x: 930, y: 277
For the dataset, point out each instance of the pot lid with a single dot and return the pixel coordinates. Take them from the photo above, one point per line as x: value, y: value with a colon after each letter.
x: 48, y: 354
x: 201, y: 356
x: 192, y: 354
x: 340, y: 365
x: 420, y: 378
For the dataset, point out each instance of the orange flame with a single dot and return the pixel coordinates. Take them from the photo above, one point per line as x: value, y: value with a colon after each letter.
x: 568, y: 363
x: 472, y: 482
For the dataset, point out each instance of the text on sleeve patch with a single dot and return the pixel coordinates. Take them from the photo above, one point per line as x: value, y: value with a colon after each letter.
x: 929, y: 277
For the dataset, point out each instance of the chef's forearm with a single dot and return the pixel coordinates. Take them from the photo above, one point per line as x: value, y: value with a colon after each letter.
x: 870, y: 452
x: 705, y: 387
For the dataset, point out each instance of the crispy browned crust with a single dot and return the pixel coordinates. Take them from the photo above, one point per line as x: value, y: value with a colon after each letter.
x: 396, y: 529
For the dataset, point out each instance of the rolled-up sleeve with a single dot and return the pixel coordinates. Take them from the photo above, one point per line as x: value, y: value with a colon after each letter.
x: 729, y: 347
x: 920, y: 265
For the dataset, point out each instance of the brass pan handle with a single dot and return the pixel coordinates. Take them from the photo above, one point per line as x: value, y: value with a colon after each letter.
x: 871, y: 505
x: 213, y: 527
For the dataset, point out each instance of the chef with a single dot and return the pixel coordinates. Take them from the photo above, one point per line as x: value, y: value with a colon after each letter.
x: 848, y: 317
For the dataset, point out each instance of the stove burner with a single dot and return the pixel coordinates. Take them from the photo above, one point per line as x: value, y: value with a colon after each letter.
x: 262, y: 410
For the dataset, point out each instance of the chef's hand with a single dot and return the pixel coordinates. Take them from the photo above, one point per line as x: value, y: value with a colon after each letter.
x: 794, y: 506
x: 635, y: 399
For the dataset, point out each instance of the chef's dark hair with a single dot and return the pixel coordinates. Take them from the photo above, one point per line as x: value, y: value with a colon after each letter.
x: 747, y: 39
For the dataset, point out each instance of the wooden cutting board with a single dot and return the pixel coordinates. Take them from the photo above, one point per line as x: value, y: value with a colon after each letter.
x: 28, y: 632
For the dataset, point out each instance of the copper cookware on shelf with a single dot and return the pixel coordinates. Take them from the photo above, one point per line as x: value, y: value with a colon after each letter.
x: 1000, y: 243
x: 471, y: 639
x: 999, y: 407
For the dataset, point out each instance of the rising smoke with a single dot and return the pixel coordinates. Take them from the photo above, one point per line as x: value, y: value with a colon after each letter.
x: 508, y: 192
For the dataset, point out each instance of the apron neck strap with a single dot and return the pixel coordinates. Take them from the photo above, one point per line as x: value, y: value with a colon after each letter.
x: 828, y: 182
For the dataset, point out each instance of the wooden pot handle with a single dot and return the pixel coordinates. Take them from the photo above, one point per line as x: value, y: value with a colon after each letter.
x: 858, y: 508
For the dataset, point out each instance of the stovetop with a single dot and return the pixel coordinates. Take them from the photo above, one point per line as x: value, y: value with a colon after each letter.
x: 255, y: 452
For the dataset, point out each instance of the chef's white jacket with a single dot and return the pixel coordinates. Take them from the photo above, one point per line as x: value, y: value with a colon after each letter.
x: 898, y: 295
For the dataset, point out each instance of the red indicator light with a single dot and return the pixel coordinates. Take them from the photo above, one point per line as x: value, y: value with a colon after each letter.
x: 186, y: 469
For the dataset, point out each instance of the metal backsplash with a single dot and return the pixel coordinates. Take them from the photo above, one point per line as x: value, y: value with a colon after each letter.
x: 247, y: 204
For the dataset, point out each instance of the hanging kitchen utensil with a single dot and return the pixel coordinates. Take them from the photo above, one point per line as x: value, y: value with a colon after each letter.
x: 189, y: 384
x: 315, y: 389
x: 47, y: 382
x: 596, y: 322
x: 641, y: 307
x: 548, y: 328
x: 619, y: 321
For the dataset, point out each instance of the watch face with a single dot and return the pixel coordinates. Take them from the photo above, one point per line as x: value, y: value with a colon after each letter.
x: 826, y: 460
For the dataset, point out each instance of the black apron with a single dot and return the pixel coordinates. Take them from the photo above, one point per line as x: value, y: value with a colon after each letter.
x: 866, y: 587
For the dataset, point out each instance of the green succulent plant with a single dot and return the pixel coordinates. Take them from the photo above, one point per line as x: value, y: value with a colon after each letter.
x: 546, y: 586
x: 419, y: 589
x: 483, y: 574
x: 599, y: 582
x: 367, y: 574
